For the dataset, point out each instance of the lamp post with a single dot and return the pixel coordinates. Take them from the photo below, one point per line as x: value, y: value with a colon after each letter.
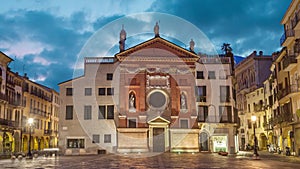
x: 253, y: 119
x: 30, y: 122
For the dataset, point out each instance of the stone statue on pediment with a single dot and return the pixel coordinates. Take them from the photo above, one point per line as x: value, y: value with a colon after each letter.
x: 156, y: 30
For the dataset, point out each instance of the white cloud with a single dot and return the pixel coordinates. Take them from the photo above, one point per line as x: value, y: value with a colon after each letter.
x: 42, y: 61
x: 39, y: 78
x: 24, y: 47
x: 66, y: 8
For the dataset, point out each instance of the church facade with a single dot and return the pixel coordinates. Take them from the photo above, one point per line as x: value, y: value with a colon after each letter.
x: 153, y: 97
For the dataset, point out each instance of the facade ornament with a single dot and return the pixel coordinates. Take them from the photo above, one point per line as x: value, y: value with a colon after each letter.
x: 132, y: 103
x: 183, y: 102
x: 192, y: 45
x: 156, y: 30
x: 122, y: 39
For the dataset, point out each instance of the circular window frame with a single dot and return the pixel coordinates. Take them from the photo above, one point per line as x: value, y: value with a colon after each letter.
x: 163, y: 107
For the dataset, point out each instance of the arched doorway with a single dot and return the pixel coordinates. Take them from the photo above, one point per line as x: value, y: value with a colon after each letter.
x: 35, y: 143
x: 25, y: 143
x: 46, y: 145
x: 17, y: 144
x: 42, y: 143
x: 7, y: 141
x: 203, y: 141
x: 270, y: 138
x: 262, y: 141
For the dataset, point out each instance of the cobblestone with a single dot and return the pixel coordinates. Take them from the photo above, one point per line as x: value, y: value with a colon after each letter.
x: 156, y: 161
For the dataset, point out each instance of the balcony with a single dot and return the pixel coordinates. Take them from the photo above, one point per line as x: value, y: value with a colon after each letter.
x: 47, y: 132
x: 287, y: 37
x: 289, y: 62
x: 215, y: 119
x: 26, y: 130
x: 201, y: 98
x: 290, y: 90
x: 9, y: 123
x: 3, y: 97
x: 295, y: 21
x: 204, y: 59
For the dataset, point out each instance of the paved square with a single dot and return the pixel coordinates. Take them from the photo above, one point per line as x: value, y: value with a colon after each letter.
x: 166, y: 160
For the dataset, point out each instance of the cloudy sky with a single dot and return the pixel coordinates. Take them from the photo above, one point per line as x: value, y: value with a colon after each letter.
x: 45, y: 37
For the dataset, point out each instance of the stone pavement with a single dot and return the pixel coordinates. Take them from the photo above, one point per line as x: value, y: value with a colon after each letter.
x: 156, y: 161
x: 271, y: 156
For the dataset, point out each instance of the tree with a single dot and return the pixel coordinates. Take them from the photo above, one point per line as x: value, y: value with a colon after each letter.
x: 228, y: 53
x: 226, y: 48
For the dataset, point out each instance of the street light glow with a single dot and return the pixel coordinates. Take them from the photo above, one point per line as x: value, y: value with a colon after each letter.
x: 30, y: 121
x: 253, y: 118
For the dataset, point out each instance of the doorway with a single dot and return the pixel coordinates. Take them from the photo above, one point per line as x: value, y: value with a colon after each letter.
x: 158, y: 140
x: 203, y: 141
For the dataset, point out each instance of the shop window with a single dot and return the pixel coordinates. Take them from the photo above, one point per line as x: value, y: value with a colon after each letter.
x: 75, y: 143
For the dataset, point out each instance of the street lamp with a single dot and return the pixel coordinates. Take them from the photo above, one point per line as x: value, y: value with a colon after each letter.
x: 30, y: 122
x: 255, y: 153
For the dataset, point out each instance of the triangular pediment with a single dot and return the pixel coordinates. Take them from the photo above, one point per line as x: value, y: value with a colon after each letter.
x: 158, y: 119
x: 157, y: 48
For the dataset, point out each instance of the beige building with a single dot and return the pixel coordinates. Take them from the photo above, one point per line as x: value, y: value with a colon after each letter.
x: 250, y: 75
x: 135, y: 102
x: 287, y: 124
x: 256, y: 107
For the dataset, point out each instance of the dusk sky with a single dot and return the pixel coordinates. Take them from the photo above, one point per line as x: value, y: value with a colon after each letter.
x: 45, y: 37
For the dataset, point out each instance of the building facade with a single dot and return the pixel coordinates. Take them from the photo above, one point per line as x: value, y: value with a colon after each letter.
x: 11, y: 107
x: 287, y: 67
x: 250, y: 75
x: 21, y: 99
x: 42, y: 104
x: 135, y: 102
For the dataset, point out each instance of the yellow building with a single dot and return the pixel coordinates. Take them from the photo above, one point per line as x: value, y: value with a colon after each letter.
x: 288, y: 68
x: 11, y: 107
x: 41, y: 104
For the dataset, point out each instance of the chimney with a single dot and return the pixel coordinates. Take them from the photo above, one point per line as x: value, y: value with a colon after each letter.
x: 261, y: 53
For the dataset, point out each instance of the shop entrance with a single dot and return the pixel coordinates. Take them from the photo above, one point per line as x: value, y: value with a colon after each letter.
x: 158, y: 140
x: 203, y: 141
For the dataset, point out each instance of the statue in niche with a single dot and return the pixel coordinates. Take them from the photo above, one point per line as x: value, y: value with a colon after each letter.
x: 132, y: 103
x: 183, y: 105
